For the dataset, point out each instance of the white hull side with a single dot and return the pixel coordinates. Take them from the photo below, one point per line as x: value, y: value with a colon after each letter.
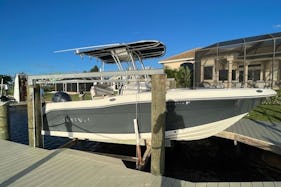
x: 188, y: 134
x: 17, y: 89
x: 175, y: 95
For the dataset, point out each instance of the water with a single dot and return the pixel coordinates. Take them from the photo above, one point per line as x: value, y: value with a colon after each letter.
x: 211, y: 159
x: 19, y: 129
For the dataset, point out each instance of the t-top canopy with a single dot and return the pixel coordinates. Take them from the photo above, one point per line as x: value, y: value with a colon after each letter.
x: 125, y: 52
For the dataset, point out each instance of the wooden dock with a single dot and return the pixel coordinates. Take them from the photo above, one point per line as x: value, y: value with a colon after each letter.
x: 263, y: 135
x: 21, y: 165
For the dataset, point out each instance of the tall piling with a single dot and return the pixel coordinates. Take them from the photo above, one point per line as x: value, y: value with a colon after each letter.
x: 158, y: 116
x: 38, y: 116
x: 30, y: 115
x: 34, y: 110
x: 4, y: 121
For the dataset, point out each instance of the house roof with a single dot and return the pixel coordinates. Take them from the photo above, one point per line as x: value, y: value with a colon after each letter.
x: 186, y: 55
x: 259, y: 38
x: 262, y: 46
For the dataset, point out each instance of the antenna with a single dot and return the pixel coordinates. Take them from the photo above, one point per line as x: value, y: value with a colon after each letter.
x: 77, y: 50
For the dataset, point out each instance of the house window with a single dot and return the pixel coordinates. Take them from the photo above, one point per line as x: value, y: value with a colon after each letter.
x: 254, y: 72
x: 233, y: 75
x: 223, y: 75
x: 208, y: 72
x: 241, y: 76
x: 254, y: 75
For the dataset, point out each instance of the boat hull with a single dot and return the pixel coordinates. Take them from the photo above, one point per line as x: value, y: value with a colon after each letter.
x: 185, y: 120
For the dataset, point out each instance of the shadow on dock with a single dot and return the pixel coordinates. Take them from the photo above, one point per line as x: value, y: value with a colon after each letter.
x: 213, y: 159
x: 26, y: 171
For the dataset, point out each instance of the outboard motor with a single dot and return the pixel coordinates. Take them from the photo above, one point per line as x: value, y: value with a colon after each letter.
x: 61, y: 97
x: 4, y: 98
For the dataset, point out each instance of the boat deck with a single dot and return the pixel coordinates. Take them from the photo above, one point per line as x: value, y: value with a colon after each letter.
x: 21, y: 165
x: 264, y: 135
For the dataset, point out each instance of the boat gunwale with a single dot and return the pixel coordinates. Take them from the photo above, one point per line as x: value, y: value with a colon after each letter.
x: 144, y: 99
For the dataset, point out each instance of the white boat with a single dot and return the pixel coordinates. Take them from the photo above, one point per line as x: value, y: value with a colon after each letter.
x: 20, y: 87
x: 190, y: 114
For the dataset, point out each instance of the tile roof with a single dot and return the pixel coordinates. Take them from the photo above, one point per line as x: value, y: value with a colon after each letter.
x: 183, y: 55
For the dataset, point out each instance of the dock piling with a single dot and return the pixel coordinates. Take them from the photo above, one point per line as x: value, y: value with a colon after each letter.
x: 30, y: 115
x: 4, y: 121
x: 158, y: 115
x: 34, y: 108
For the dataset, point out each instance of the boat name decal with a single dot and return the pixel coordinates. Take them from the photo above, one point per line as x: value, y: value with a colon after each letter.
x: 182, y: 102
x: 79, y: 119
x: 178, y: 103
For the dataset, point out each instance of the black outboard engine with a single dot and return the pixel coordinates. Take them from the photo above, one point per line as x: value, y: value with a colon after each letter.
x: 4, y: 98
x: 61, y: 97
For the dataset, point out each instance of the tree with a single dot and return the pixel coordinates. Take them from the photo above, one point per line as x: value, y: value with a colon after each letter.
x: 171, y: 73
x: 7, y: 79
x: 94, y: 69
x: 183, y: 76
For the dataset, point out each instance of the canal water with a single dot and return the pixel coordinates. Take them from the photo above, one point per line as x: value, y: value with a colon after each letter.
x: 212, y: 159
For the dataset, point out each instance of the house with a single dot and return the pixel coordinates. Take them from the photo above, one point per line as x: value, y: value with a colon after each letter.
x: 174, y: 62
x: 245, y: 62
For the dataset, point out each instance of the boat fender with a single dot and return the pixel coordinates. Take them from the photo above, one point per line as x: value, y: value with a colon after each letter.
x: 61, y: 97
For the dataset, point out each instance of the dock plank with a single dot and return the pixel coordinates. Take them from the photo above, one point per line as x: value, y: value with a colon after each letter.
x: 188, y: 184
x: 271, y: 184
x: 263, y: 135
x: 201, y: 184
x: 21, y: 165
x: 235, y: 184
x: 212, y: 184
x: 258, y: 184
x: 223, y: 184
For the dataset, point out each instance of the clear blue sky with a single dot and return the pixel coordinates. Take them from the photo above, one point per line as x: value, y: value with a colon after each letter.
x: 30, y: 30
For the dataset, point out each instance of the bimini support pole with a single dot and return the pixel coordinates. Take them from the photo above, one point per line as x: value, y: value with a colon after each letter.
x: 139, y: 162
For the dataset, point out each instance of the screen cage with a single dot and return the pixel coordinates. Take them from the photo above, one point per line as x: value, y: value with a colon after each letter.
x: 238, y: 61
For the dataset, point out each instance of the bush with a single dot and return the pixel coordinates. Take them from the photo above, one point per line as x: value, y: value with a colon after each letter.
x: 183, y: 76
x: 276, y: 100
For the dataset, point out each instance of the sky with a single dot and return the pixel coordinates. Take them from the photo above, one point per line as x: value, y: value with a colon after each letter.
x: 31, y: 30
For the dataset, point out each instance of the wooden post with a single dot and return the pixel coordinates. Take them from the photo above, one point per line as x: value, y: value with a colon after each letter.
x: 158, y: 109
x: 230, y: 64
x: 38, y: 116
x: 34, y: 108
x: 246, y: 69
x: 30, y: 115
x: 4, y: 121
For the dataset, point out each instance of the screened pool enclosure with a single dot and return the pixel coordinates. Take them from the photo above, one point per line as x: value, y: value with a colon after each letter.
x: 245, y: 62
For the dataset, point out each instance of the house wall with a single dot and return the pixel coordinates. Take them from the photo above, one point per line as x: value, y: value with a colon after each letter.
x: 208, y: 62
x: 173, y: 65
x: 264, y: 65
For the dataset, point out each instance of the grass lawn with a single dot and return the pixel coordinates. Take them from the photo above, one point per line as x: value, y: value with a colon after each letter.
x: 269, y: 113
